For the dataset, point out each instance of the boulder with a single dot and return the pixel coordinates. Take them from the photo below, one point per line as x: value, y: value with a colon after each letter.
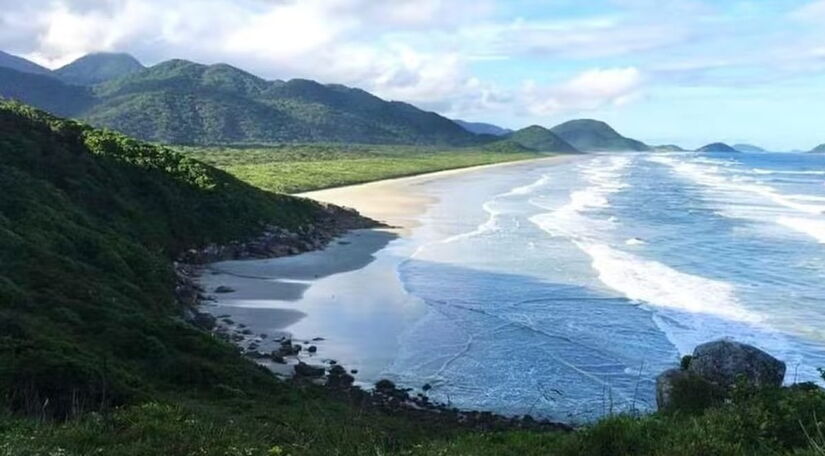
x: 725, y: 362
x: 224, y: 289
x: 305, y: 370
x: 664, y: 386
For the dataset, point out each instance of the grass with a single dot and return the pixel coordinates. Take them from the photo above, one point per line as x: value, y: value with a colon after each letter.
x: 300, y: 168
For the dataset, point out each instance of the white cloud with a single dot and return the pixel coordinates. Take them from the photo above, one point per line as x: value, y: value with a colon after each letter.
x: 588, y: 91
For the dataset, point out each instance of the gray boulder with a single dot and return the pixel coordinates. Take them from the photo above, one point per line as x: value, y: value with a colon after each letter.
x: 716, y: 367
x: 664, y: 386
x: 725, y: 362
x: 305, y: 370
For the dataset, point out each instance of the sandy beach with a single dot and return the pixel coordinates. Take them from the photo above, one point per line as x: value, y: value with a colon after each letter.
x: 400, y: 202
x: 346, y: 300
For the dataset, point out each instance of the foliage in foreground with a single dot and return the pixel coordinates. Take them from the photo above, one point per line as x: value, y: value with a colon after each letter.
x: 771, y: 422
x: 299, y: 168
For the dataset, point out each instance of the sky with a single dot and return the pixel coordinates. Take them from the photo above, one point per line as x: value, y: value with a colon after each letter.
x: 687, y: 72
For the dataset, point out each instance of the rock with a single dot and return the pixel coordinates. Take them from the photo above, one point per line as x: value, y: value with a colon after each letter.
x: 312, y: 349
x: 385, y: 385
x: 725, y: 362
x: 305, y: 370
x: 664, y: 386
x: 224, y: 289
x: 278, y: 358
x: 427, y: 387
x: 353, y: 371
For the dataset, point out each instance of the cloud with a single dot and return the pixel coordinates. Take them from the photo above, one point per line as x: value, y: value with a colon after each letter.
x: 588, y: 91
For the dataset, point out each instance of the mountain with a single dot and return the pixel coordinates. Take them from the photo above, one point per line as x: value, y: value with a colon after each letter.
x: 91, y: 221
x: 99, y: 67
x: 45, y: 92
x: 481, y: 128
x: 716, y: 147
x: 820, y: 149
x: 667, y: 148
x: 188, y: 103
x: 589, y: 135
x: 20, y: 64
x: 748, y: 148
x: 541, y: 139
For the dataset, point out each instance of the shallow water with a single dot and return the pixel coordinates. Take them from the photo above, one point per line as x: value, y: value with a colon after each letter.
x: 562, y: 290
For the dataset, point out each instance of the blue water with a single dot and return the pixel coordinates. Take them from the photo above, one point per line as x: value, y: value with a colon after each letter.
x: 561, y: 291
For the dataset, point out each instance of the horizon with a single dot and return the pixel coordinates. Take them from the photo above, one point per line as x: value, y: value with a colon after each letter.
x: 650, y: 73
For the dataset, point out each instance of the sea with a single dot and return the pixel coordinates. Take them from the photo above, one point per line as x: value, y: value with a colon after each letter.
x: 562, y: 291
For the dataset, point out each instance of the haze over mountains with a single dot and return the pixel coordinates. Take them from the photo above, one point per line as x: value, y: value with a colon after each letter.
x: 182, y: 102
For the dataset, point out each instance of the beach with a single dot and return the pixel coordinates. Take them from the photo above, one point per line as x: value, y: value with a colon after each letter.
x: 348, y: 296
x: 558, y: 288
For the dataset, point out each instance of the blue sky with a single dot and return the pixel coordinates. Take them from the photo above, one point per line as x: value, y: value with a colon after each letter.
x: 686, y: 72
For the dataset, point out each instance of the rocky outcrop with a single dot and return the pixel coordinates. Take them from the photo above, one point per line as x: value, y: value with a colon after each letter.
x: 718, y: 367
x: 725, y: 362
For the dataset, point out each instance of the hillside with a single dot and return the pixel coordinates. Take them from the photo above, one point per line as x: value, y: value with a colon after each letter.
x: 90, y: 222
x: 99, y: 67
x: 716, y: 147
x: 45, y: 92
x: 748, y: 148
x: 482, y: 128
x: 668, y: 148
x: 20, y: 64
x: 181, y: 102
x: 820, y: 149
x: 541, y: 139
x: 595, y: 136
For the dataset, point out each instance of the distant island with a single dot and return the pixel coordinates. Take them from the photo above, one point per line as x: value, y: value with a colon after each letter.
x: 748, y: 148
x: 820, y: 149
x: 716, y: 147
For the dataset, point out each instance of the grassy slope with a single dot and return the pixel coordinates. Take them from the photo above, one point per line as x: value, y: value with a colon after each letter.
x: 297, y: 168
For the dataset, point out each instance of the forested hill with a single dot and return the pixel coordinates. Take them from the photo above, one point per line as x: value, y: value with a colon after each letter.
x: 182, y: 102
x: 89, y: 223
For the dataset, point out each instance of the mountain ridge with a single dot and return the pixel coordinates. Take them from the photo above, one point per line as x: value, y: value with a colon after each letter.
x: 541, y: 139
x: 589, y: 135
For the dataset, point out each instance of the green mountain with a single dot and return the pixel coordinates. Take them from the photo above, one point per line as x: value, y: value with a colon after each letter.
x: 589, y: 135
x: 667, y: 148
x: 187, y: 103
x: 90, y: 221
x: 748, y: 148
x: 45, y: 92
x: 20, y: 64
x: 716, y: 147
x: 99, y: 67
x: 482, y: 128
x: 820, y: 149
x: 541, y: 139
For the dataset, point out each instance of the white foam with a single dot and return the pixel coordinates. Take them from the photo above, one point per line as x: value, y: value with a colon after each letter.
x: 488, y: 226
x: 813, y: 228
x: 635, y: 241
x: 529, y: 188
x: 791, y: 172
x: 745, y: 197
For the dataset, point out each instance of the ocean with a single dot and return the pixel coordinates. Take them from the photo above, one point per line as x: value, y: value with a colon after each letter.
x: 562, y: 291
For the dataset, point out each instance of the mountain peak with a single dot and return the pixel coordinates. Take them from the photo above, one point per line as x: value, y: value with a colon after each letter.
x: 99, y: 67
x: 541, y: 139
x: 20, y: 64
x: 596, y: 135
x: 716, y: 147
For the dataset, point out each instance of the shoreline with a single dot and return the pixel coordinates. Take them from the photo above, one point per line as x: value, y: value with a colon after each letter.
x: 397, y: 202
x: 311, y: 309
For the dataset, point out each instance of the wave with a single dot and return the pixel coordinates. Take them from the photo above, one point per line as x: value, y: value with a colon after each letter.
x: 529, y: 188
x: 736, y: 194
x: 791, y: 172
x: 813, y: 228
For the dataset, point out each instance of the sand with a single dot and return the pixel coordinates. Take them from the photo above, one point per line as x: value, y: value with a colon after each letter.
x: 348, y: 296
x: 400, y: 202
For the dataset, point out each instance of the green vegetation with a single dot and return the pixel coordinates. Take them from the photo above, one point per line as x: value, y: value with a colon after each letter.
x: 540, y: 138
x: 90, y: 221
x: 99, y: 67
x: 819, y: 149
x: 589, y: 135
x: 716, y: 147
x: 298, y: 168
x: 180, y: 102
